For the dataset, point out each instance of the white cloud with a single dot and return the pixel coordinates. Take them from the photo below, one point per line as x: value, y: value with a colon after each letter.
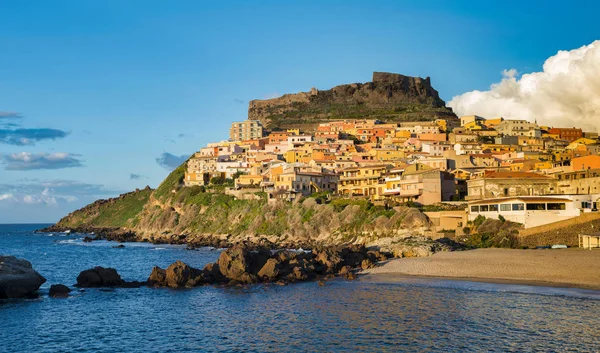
x: 6, y: 197
x: 565, y: 94
x: 32, y: 161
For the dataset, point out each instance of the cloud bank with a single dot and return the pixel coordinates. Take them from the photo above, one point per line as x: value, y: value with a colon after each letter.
x: 170, y: 161
x: 27, y: 137
x: 51, y: 193
x: 565, y: 94
x: 33, y: 161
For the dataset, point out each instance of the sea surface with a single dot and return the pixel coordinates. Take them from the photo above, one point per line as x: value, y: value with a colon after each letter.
x: 373, y: 314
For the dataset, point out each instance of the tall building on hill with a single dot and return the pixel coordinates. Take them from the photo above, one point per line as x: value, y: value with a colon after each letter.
x: 246, y: 130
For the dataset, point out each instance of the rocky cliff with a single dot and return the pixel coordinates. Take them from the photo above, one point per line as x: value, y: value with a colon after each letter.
x: 389, y: 97
x: 176, y: 214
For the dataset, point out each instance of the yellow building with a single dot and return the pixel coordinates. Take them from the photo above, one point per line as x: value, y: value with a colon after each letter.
x: 381, y: 154
x: 248, y: 181
x: 402, y: 134
x: 491, y: 123
x: 366, y: 181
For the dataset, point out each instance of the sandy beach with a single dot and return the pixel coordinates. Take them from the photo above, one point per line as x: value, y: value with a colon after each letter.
x: 560, y: 267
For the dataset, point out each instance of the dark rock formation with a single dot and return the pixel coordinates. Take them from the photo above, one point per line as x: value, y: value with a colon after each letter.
x: 389, y: 97
x: 59, y: 291
x: 100, y: 277
x: 239, y: 265
x: 17, y: 278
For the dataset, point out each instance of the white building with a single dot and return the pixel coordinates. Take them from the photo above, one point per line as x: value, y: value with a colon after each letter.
x: 519, y: 128
x: 533, y: 211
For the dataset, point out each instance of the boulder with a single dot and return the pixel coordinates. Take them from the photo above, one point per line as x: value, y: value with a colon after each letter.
x: 298, y: 274
x: 330, y: 260
x: 367, y: 264
x: 180, y: 274
x: 376, y: 256
x: 414, y: 218
x: 354, y: 259
x: 270, y: 270
x: 235, y: 263
x: 17, y: 278
x: 99, y: 277
x: 158, y: 277
x: 59, y: 291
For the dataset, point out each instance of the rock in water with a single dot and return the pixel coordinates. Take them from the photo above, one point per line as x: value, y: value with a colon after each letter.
x: 99, y: 277
x: 59, y: 291
x: 17, y: 278
x: 179, y: 274
x: 158, y: 277
x: 235, y: 263
x: 270, y: 270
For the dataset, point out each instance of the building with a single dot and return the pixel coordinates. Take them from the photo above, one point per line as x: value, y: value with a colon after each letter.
x: 420, y: 183
x: 246, y: 130
x: 519, y: 128
x: 469, y: 119
x: 567, y: 134
x: 366, y: 181
x: 533, y: 211
x: 299, y: 181
x: 584, y: 163
x: 509, y: 184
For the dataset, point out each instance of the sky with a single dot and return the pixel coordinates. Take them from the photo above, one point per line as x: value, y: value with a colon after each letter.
x: 102, y: 97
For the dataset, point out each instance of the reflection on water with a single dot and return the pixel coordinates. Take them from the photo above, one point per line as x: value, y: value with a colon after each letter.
x: 372, y: 314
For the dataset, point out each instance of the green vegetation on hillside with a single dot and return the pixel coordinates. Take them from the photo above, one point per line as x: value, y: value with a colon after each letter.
x: 111, y: 213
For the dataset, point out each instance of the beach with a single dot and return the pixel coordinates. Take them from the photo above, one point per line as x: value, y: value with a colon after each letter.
x: 553, y: 267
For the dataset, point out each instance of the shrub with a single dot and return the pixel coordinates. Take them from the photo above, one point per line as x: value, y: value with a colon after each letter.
x: 478, y: 220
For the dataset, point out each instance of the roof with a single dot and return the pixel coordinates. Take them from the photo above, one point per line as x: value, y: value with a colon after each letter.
x: 516, y: 175
x: 366, y: 167
x: 526, y: 199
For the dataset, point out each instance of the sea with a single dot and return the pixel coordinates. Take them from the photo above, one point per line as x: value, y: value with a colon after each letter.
x: 372, y: 314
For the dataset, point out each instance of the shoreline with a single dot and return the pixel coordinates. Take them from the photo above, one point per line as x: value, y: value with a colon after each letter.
x: 565, y: 268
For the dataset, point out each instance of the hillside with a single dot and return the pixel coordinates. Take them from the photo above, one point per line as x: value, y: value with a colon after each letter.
x: 110, y: 213
x: 389, y: 97
x: 177, y: 214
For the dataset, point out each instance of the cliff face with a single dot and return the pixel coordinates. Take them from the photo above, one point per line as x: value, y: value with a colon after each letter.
x: 389, y: 97
x: 175, y: 214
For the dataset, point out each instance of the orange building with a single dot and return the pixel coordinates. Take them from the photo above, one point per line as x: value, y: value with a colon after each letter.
x: 278, y: 137
x: 567, y: 134
x: 584, y: 163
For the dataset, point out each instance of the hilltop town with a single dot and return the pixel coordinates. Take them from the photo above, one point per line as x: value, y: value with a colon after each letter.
x: 321, y: 177
x: 504, y: 168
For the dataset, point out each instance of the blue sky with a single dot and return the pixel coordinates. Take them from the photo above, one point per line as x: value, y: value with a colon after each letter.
x: 93, y: 94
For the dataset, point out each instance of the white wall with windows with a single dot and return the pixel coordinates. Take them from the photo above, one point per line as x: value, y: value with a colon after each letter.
x: 533, y: 211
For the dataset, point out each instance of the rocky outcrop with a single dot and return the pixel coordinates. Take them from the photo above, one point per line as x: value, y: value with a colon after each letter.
x: 240, y: 265
x: 59, y: 291
x: 389, y: 97
x: 18, y: 279
x: 100, y: 277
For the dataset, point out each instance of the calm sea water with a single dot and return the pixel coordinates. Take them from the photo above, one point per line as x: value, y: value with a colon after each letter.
x: 375, y: 314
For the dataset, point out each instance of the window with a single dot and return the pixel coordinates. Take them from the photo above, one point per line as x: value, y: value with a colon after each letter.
x: 536, y: 207
x: 474, y: 208
x: 493, y: 208
x: 505, y: 191
x: 483, y: 208
x: 518, y: 207
x: 556, y: 206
